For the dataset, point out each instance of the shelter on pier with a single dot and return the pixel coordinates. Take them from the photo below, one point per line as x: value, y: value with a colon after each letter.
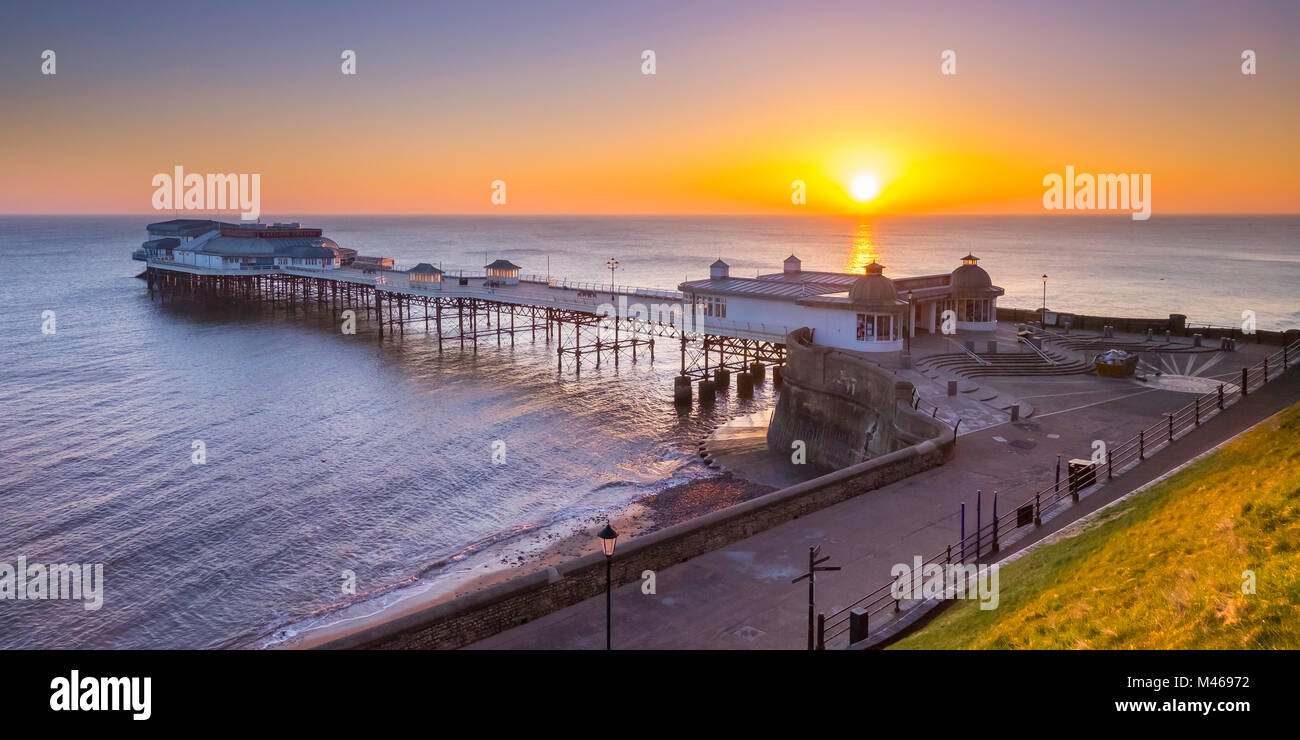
x: 502, y: 272
x: 424, y: 275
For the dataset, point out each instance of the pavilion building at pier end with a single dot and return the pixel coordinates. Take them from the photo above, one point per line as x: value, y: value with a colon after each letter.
x: 224, y: 246
x: 866, y: 312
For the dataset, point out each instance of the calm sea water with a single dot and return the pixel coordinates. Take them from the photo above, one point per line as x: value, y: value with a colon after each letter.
x: 328, y: 452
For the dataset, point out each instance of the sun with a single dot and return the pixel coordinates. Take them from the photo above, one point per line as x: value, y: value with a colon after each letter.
x: 865, y: 187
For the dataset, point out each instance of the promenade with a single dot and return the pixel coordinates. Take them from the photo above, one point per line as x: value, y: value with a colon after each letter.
x: 741, y: 597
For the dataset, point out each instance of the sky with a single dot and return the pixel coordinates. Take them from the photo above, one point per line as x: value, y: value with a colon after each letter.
x: 747, y: 98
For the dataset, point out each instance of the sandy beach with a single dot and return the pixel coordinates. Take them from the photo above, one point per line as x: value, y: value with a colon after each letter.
x: 654, y: 512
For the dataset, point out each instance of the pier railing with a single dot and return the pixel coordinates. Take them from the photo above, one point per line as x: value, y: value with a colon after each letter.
x: 851, y: 623
x: 552, y: 281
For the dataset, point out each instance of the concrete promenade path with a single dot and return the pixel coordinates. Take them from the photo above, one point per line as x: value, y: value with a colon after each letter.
x: 740, y: 597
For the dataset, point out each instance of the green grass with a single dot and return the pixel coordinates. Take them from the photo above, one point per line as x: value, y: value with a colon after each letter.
x: 1164, y: 568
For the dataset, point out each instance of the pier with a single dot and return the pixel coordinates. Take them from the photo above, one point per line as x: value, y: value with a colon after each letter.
x: 585, y: 321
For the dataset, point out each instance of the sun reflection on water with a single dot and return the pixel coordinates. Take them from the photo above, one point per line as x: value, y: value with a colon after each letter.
x: 864, y: 251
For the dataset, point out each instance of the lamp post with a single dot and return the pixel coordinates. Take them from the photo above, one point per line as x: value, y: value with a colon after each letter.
x: 1043, y: 318
x: 911, y: 317
x: 612, y: 265
x: 608, y: 537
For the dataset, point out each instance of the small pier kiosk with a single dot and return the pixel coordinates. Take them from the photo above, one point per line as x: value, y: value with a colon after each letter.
x: 425, y: 275
x: 866, y: 312
x: 502, y: 272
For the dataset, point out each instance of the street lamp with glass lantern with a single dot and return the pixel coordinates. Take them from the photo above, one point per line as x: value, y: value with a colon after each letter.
x: 911, y: 317
x: 608, y: 538
x: 1044, y: 316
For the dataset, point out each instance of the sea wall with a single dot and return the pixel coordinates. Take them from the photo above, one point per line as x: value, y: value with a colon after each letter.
x: 1176, y: 323
x: 843, y: 409
x: 506, y: 605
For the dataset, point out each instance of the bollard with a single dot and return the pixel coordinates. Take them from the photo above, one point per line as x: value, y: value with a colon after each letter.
x: 1196, y: 340
x: 744, y: 385
x: 1015, y: 412
x: 1168, y: 336
x: 858, y: 625
x: 993, y: 348
x: 708, y: 392
x: 1150, y: 332
x: 952, y: 387
x: 682, y: 390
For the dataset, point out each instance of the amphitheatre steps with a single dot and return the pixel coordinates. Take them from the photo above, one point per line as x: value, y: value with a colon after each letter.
x: 1016, y: 364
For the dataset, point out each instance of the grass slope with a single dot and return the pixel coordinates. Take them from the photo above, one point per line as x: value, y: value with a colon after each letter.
x: 1165, y: 568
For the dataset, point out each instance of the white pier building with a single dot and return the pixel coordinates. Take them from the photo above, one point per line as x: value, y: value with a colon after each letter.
x: 866, y: 313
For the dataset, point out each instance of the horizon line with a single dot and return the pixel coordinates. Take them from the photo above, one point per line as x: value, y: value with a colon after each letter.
x: 201, y: 215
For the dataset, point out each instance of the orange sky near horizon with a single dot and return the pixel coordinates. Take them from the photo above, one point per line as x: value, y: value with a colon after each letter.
x: 723, y: 127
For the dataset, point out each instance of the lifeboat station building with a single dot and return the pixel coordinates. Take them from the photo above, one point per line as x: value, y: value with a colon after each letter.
x: 863, y: 312
x: 223, y: 246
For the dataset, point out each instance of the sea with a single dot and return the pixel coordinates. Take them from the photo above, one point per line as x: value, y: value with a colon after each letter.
x: 329, y: 457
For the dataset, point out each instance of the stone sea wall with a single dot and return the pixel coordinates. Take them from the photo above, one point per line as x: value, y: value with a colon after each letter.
x: 842, y: 408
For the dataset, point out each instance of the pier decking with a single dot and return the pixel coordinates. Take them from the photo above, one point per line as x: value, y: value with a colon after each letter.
x: 582, y: 318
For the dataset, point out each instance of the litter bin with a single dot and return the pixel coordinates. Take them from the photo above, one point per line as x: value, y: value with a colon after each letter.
x: 1082, y: 474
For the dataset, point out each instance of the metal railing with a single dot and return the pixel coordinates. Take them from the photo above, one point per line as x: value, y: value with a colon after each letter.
x: 970, y: 353
x: 986, y: 539
x: 1025, y: 341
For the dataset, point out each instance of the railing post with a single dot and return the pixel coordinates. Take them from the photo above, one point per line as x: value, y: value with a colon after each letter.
x: 1038, y: 510
x: 1056, y: 487
x: 821, y: 631
x: 897, y: 603
x: 978, y: 524
x: 1244, y: 379
x: 1198, y: 411
x: 995, y: 523
x: 1171, y: 428
x: 1142, y: 445
x: 1110, y: 469
x: 963, y: 532
x: 1220, y: 396
x: 1266, y: 369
